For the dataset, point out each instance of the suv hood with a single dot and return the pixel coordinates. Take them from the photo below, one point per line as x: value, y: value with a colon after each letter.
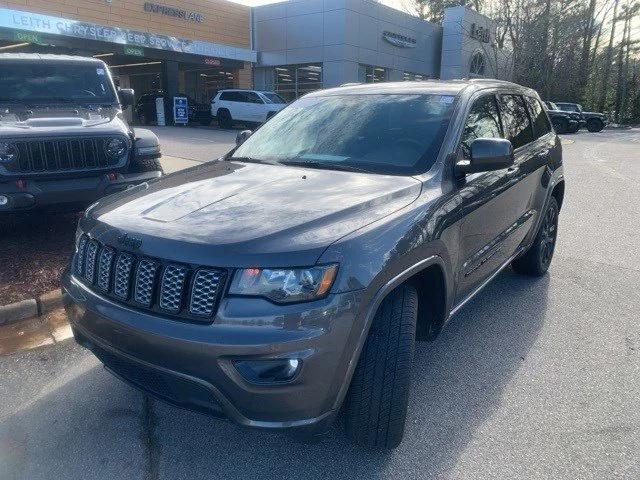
x: 234, y: 214
x: 34, y: 120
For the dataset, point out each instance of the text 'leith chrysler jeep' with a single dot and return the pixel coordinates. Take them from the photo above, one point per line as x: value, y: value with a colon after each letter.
x: 290, y: 279
x: 64, y: 142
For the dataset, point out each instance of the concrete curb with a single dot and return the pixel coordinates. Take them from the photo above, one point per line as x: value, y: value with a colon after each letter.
x: 32, y: 307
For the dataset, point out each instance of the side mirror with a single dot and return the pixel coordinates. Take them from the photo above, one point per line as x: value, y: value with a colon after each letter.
x: 487, y: 154
x: 242, y: 137
x: 126, y: 96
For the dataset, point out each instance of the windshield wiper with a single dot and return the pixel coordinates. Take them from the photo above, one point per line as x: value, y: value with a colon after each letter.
x: 249, y: 160
x: 325, y: 166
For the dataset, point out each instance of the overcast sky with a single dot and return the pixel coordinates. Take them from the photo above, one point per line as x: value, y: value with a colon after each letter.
x: 392, y: 3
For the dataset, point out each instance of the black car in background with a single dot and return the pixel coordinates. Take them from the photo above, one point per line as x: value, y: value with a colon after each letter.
x: 594, y: 121
x: 63, y: 140
x: 563, y: 122
x: 145, y: 110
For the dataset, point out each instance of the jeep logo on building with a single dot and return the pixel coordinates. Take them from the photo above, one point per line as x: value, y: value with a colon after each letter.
x: 480, y: 33
x: 129, y: 242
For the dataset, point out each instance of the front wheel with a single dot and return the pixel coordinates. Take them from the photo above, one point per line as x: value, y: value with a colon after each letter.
x: 595, y: 125
x: 561, y: 125
x: 536, y: 260
x: 574, y: 128
x: 376, y: 404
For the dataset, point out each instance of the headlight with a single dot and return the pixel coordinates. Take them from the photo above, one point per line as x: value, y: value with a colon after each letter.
x: 8, y: 152
x: 284, y: 285
x: 116, y: 147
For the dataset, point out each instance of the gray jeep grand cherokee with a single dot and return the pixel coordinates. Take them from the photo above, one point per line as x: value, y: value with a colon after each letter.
x: 292, y: 277
x: 63, y: 139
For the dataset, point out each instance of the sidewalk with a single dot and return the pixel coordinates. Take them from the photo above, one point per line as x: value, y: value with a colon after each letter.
x: 35, y: 332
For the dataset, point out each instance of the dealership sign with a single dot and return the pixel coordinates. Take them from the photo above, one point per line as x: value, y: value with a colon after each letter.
x: 480, y: 33
x: 173, y: 12
x: 47, y: 24
x: 398, y: 40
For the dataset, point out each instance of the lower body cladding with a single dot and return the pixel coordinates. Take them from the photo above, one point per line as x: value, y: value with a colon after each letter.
x: 64, y: 193
x: 258, y: 364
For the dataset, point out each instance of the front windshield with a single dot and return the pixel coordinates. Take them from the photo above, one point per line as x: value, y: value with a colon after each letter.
x: 274, y: 98
x: 57, y: 82
x: 398, y: 134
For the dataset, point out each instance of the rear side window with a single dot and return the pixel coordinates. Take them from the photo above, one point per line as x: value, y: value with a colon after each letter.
x: 230, y: 97
x: 483, y: 122
x: 541, y: 123
x: 517, y: 126
x: 251, y: 97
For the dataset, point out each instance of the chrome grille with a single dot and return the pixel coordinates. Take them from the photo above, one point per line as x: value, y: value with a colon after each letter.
x: 148, y: 283
x: 173, y: 281
x: 204, y: 292
x: 145, y: 279
x: 105, y: 264
x: 124, y: 265
x: 37, y: 156
x: 82, y: 249
x: 90, y: 261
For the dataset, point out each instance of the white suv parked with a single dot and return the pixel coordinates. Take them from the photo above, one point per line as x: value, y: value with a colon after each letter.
x: 247, y: 106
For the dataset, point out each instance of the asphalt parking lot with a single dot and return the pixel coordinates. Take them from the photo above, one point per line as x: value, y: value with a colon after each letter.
x: 535, y: 379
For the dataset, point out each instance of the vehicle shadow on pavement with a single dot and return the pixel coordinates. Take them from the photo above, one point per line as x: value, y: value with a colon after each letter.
x: 97, y: 427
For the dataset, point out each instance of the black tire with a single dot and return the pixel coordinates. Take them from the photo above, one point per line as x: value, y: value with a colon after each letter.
x: 145, y: 165
x: 594, y: 125
x: 574, y: 128
x: 224, y: 119
x: 561, y: 125
x: 376, y: 404
x: 537, y: 259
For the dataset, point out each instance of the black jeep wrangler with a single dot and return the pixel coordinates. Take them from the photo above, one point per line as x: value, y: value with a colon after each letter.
x: 563, y: 122
x: 594, y: 121
x: 64, y: 141
x: 291, y: 278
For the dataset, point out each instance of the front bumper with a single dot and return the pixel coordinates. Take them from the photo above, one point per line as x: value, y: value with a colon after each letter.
x: 193, y: 365
x: 43, y: 194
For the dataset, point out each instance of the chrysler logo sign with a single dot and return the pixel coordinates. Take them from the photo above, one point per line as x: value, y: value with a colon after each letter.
x: 173, y: 12
x: 398, y: 40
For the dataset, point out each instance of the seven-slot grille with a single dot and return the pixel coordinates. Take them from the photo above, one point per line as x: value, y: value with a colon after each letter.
x: 149, y: 283
x: 62, y: 155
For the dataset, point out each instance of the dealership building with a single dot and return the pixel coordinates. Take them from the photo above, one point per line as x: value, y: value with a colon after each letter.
x: 198, y: 47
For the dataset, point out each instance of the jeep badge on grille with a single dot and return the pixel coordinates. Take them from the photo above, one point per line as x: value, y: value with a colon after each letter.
x: 129, y: 242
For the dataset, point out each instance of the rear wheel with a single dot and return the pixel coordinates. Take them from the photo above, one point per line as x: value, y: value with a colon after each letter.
x: 537, y: 259
x: 376, y: 404
x: 224, y: 119
x: 595, y: 125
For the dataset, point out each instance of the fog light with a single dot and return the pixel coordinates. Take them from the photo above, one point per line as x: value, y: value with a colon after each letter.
x: 264, y: 372
x: 4, y: 200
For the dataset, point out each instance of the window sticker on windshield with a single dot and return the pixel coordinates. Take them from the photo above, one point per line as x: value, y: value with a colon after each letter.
x: 446, y: 98
x: 100, y: 71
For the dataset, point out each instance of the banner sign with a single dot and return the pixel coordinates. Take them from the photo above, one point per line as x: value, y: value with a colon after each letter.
x: 180, y: 110
x: 35, y: 22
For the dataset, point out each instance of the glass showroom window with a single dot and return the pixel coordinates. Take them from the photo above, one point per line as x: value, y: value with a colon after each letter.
x: 293, y: 81
x: 371, y: 74
x: 414, y: 77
